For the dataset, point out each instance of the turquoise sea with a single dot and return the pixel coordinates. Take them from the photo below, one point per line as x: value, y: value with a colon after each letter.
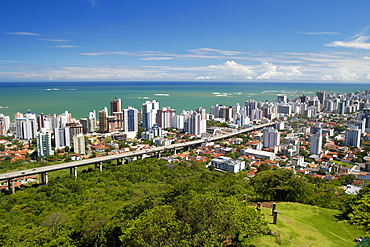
x: 81, y: 97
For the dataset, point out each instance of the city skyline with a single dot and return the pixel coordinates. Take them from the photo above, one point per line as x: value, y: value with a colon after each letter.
x: 96, y: 40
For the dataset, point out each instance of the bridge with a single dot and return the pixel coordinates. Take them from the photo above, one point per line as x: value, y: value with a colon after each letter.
x: 100, y: 160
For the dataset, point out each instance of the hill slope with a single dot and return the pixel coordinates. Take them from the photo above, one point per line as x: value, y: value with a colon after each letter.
x: 305, y: 225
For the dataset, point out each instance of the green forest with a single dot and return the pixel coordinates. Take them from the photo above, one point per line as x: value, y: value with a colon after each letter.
x: 154, y: 203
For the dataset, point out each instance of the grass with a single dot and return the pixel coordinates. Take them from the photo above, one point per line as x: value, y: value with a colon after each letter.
x: 305, y: 225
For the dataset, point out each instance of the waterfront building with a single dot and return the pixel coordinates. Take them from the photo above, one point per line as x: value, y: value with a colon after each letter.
x: 103, y: 120
x: 92, y: 125
x: 282, y: 98
x: 321, y: 95
x: 26, y: 126
x: 4, y: 124
x: 115, y: 106
x: 44, y: 148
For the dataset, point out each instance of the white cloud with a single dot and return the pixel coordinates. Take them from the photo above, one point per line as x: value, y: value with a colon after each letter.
x: 64, y: 46
x: 345, y: 75
x: 205, y: 78
x: 279, y: 72
x: 24, y: 33
x: 358, y: 43
x: 55, y: 40
x: 233, y: 70
x: 210, y: 51
x: 327, y: 78
x: 318, y: 33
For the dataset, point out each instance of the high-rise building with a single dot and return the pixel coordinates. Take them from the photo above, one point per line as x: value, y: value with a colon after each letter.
x: 103, y: 121
x: 92, y: 126
x: 352, y: 137
x: 4, y: 124
x: 282, y: 98
x: 164, y: 117
x: 115, y: 106
x: 195, y: 125
x: 316, y: 142
x: 271, y: 137
x: 111, y: 120
x: 130, y: 120
x: 321, y: 95
x: 79, y: 144
x: 62, y: 138
x: 148, y: 113
x: 44, y: 148
x: 26, y: 127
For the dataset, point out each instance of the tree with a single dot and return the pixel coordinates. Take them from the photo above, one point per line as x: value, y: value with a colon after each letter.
x: 263, y: 167
x: 339, y: 128
x: 282, y: 185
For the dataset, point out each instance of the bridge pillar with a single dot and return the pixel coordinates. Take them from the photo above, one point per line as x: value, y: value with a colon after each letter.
x: 44, y: 178
x: 174, y: 151
x: 101, y: 166
x: 13, y: 188
x: 75, y: 170
x: 10, y: 187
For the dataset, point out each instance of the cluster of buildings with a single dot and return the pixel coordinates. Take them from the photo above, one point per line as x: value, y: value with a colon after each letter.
x: 54, y: 132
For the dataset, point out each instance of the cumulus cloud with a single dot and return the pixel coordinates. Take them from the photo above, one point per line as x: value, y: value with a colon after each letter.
x: 233, y: 70
x: 326, y: 78
x: 279, y: 72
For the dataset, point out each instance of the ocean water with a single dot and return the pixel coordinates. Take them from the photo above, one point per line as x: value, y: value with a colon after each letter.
x: 81, y: 97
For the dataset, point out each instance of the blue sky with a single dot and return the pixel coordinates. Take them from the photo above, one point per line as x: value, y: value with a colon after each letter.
x: 209, y: 40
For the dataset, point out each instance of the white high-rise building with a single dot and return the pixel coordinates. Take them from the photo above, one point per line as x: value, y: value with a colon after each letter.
x: 44, y: 148
x: 4, y: 124
x: 26, y: 126
x: 271, y: 137
x: 164, y: 117
x: 62, y: 138
x: 92, y: 126
x: 178, y: 121
x: 130, y: 122
x: 316, y: 142
x: 196, y: 125
x: 352, y: 137
x: 148, y: 113
x: 79, y: 144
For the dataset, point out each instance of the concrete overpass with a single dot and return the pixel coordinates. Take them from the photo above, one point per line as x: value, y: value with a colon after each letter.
x: 100, y: 160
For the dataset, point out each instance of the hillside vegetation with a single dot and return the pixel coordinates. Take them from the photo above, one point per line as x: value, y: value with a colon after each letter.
x: 153, y: 203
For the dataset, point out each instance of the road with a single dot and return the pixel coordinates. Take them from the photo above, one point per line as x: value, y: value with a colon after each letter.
x: 44, y: 169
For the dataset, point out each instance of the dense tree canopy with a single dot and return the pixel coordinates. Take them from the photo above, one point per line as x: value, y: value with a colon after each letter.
x: 143, y: 203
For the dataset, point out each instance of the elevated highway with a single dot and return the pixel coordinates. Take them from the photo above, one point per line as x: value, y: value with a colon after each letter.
x: 99, y: 160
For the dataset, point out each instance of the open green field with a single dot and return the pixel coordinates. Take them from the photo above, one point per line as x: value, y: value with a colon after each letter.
x: 305, y: 225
